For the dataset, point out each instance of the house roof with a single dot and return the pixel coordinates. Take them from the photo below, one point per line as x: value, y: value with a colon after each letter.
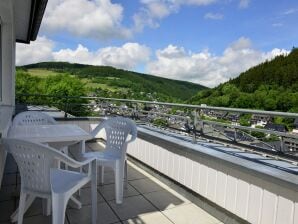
x: 276, y: 127
x: 28, y: 16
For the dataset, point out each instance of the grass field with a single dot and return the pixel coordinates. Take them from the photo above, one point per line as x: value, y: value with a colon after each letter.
x: 43, y: 73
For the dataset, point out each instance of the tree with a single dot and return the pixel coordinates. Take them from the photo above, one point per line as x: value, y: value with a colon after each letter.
x: 64, y: 86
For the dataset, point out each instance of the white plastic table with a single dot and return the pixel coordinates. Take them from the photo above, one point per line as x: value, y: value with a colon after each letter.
x: 60, y: 133
x: 49, y: 133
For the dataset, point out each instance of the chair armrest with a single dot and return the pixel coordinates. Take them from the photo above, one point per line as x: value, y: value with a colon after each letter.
x: 74, y: 163
x: 86, y: 161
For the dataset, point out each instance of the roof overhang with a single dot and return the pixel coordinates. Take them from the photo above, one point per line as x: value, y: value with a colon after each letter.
x: 28, y: 16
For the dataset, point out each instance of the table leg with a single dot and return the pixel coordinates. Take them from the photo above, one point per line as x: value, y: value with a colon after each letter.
x: 29, y: 201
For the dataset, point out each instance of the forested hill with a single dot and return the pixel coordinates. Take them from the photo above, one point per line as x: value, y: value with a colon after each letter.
x: 272, y: 85
x: 282, y: 71
x: 111, y: 82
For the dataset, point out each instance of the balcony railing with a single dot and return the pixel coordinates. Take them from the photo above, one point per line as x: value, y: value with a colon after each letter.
x: 197, y: 121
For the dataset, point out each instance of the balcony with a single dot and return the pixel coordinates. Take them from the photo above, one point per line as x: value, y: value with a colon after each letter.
x: 209, y: 174
x: 147, y: 199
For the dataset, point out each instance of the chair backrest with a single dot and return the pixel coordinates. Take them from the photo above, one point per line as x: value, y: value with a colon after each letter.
x: 34, y: 161
x: 33, y: 118
x: 117, y: 130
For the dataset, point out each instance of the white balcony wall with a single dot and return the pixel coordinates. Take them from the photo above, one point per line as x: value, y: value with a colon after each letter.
x: 249, y: 197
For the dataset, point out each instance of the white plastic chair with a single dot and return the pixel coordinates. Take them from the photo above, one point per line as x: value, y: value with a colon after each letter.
x: 117, y: 130
x: 33, y: 118
x: 39, y: 178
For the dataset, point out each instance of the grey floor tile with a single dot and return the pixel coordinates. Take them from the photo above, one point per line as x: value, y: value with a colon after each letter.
x: 104, y: 215
x: 133, y: 174
x: 85, y: 197
x: 6, y: 209
x: 189, y: 214
x: 108, y: 191
x: 132, y: 207
x: 152, y: 218
x: 35, y: 209
x: 40, y: 219
x: 164, y: 199
x: 145, y: 185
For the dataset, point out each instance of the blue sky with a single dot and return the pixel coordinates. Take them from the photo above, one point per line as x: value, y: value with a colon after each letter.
x: 202, y: 41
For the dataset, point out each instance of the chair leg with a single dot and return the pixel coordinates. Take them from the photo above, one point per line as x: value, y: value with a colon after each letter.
x: 59, y: 203
x: 94, y: 191
x: 21, y: 207
x: 102, y: 174
x: 119, y: 182
x: 79, y: 191
x: 125, y: 174
x: 29, y: 201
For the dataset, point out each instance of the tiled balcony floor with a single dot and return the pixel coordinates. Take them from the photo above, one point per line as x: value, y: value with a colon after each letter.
x: 146, y: 201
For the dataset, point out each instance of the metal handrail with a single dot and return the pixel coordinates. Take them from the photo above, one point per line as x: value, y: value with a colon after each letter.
x: 196, y: 120
x: 227, y: 109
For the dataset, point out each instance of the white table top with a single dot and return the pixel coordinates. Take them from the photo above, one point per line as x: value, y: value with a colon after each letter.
x: 49, y: 133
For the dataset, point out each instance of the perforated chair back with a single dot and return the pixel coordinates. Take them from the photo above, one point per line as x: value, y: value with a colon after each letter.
x: 34, y: 162
x: 33, y: 118
x: 117, y: 130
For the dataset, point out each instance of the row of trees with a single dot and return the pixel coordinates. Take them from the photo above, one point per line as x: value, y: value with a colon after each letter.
x: 266, y: 97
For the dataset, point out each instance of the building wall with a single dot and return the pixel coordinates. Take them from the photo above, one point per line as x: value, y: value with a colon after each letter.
x: 8, y: 52
x: 7, y: 82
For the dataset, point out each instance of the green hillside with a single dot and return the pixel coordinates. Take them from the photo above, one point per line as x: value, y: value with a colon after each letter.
x: 272, y: 85
x: 111, y: 82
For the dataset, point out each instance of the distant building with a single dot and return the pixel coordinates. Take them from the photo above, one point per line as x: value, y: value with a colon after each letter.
x: 291, y: 144
x: 295, y: 130
x: 234, y: 118
x: 276, y: 127
x: 260, y: 120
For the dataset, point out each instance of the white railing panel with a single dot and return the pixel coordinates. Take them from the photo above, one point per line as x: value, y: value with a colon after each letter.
x: 231, y: 192
x: 211, y: 184
x: 285, y: 215
x: 242, y: 198
x: 221, y: 185
x: 255, y: 204
x: 269, y: 207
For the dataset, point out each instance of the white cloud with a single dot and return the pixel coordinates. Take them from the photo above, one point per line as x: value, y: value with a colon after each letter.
x: 37, y: 51
x: 277, y: 24
x: 100, y: 19
x: 155, y: 10
x: 243, y: 4
x: 290, y: 11
x: 214, y: 16
x: 205, y: 68
x: 127, y: 56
